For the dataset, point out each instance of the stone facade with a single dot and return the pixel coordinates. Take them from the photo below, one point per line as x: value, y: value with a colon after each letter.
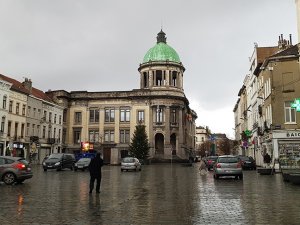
x: 107, y: 120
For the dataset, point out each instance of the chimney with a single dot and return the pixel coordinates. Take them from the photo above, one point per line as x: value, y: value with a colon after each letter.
x: 27, y: 84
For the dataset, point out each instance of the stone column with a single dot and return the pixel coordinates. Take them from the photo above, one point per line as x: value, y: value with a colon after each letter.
x: 150, y: 78
x: 167, y: 78
x: 151, y: 132
x: 180, y: 133
x: 168, y: 147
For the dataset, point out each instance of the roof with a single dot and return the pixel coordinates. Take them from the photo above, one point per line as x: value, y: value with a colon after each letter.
x: 292, y: 51
x: 161, y: 51
x: 19, y: 87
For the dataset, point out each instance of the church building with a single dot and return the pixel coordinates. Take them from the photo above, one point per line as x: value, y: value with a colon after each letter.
x: 105, y: 121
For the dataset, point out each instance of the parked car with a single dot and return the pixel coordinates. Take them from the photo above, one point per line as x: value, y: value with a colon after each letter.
x: 247, y: 162
x: 59, y: 161
x: 14, y: 169
x: 210, y: 161
x: 228, y: 165
x: 130, y: 163
x: 82, y: 164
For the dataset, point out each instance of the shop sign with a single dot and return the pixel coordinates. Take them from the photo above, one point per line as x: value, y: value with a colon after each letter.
x: 293, y: 134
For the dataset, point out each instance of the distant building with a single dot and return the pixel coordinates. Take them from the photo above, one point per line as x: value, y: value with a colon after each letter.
x: 202, y: 135
x: 106, y: 120
x: 30, y: 121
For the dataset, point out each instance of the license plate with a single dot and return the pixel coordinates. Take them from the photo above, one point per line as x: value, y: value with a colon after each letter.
x: 49, y: 166
x: 80, y: 166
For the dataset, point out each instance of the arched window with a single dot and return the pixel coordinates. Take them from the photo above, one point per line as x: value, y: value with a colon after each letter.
x: 2, y: 124
x: 4, y: 102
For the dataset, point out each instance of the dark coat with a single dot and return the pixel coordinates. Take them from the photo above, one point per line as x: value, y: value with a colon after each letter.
x: 267, y: 158
x: 95, y: 166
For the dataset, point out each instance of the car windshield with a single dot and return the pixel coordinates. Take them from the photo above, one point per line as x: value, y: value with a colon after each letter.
x: 212, y: 157
x: 55, y: 156
x: 228, y: 160
x: 84, y: 159
x: 244, y: 158
x: 128, y: 160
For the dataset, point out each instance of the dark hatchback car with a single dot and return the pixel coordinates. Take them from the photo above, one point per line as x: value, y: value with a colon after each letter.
x: 59, y: 161
x: 247, y: 162
x: 14, y: 170
x: 210, y: 161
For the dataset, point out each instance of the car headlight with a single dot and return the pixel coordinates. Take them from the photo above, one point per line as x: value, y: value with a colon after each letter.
x: 44, y: 164
x: 57, y: 164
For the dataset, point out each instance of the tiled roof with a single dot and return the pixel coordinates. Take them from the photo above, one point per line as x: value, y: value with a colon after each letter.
x: 288, y: 52
x: 19, y: 87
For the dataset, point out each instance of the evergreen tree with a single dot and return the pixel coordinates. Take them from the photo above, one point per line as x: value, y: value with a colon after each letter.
x: 139, y: 146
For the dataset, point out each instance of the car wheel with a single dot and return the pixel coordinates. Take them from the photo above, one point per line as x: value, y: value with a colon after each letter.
x: 71, y: 168
x: 121, y: 170
x: 241, y: 177
x: 45, y: 169
x: 136, y: 168
x: 82, y: 169
x: 75, y: 169
x: 9, y: 178
x: 140, y: 169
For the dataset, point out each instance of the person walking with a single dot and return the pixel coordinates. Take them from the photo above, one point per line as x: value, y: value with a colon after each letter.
x: 267, y: 159
x: 95, y: 172
x: 202, y: 167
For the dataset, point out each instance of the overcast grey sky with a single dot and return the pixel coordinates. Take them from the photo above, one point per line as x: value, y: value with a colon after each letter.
x: 97, y: 45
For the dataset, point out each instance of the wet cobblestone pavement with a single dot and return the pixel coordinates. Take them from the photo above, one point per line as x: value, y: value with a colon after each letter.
x: 159, y: 194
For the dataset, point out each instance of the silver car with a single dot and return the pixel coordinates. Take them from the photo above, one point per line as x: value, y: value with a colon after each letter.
x: 228, y: 165
x: 130, y: 163
x: 82, y: 164
x: 14, y: 170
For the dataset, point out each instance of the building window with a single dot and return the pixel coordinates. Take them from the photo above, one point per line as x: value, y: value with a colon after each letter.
x: 38, y: 127
x: 94, y: 115
x: 44, y: 132
x: 8, y: 128
x: 33, y: 130
x: 16, y: 129
x: 159, y: 115
x: 125, y: 115
x: 65, y: 115
x: 59, y: 133
x: 109, y: 136
x: 27, y: 129
x: 76, y: 136
x: 124, y: 136
x: 109, y: 115
x: 22, y: 130
x: 49, y: 131
x: 55, y: 118
x: 4, y: 101
x: 94, y: 135
x: 2, y: 124
x: 45, y: 115
x: 290, y: 113
x: 59, y: 119
x: 173, y: 116
x: 141, y: 116
x: 23, y: 110
x: 50, y: 117
x: 17, y: 108
x: 54, y: 132
x: 34, y: 112
x: 77, y: 117
x: 10, y: 107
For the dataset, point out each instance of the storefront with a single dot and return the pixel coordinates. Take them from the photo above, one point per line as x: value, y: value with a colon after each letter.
x: 286, y: 145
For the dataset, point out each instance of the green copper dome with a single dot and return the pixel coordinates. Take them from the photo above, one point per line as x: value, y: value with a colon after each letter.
x: 161, y: 51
